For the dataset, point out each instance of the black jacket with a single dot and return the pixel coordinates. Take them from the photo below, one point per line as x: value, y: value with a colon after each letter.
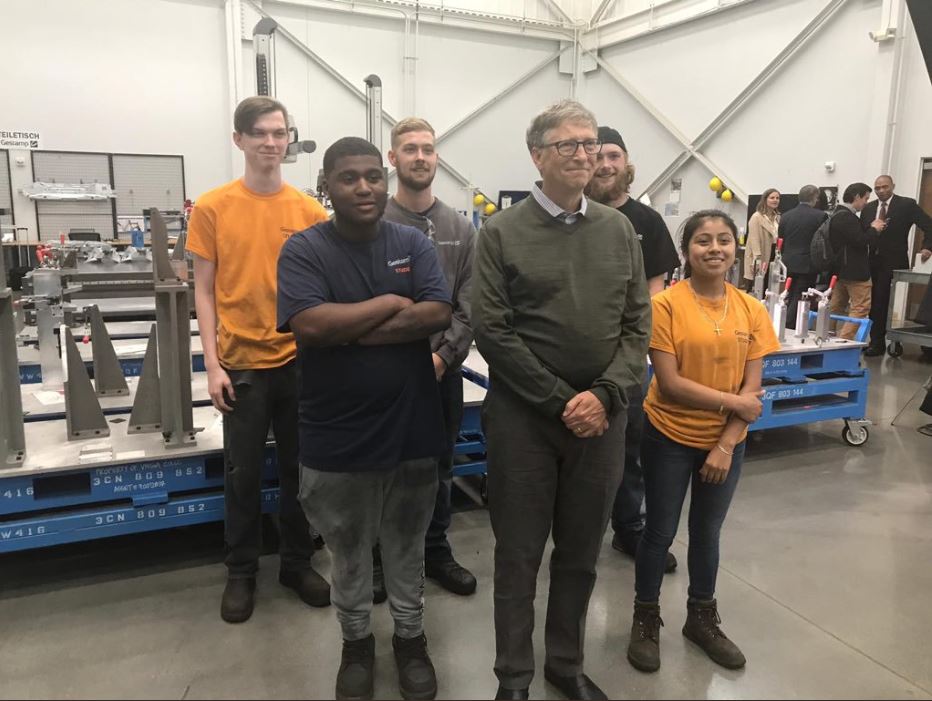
x: 890, y: 248
x: 850, y: 241
x: 796, y: 229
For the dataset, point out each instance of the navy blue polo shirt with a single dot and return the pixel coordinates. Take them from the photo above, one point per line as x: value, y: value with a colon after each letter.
x: 363, y: 407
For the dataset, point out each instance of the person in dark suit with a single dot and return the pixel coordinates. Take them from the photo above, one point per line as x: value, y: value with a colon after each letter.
x: 851, y: 243
x: 894, y: 216
x: 796, y: 229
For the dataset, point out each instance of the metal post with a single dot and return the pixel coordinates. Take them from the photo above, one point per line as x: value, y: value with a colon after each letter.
x: 374, y: 110
x: 172, y: 315
x: 12, y: 437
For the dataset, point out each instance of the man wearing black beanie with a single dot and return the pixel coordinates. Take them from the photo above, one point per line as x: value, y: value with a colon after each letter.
x: 610, y: 186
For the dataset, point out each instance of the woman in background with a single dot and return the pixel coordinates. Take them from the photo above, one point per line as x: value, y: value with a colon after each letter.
x: 762, y: 234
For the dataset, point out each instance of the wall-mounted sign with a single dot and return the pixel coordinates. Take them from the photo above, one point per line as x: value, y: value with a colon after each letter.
x: 13, y: 138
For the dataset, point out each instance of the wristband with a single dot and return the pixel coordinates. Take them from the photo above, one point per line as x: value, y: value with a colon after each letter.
x: 718, y: 445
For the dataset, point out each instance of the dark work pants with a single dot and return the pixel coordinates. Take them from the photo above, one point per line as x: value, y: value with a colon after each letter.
x: 436, y: 546
x: 263, y: 398
x: 626, y: 514
x: 881, y: 279
x: 801, y: 282
x: 541, y: 477
x: 670, y: 469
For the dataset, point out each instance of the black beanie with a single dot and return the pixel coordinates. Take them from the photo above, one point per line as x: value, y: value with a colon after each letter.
x: 607, y: 135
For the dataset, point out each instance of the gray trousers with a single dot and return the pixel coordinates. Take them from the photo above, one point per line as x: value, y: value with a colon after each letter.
x: 542, y: 478
x: 355, y: 510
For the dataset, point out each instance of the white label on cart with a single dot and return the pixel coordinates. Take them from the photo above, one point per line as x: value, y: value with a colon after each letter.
x: 130, y: 455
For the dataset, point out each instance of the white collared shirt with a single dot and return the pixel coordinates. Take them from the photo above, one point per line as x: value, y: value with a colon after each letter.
x: 555, y: 210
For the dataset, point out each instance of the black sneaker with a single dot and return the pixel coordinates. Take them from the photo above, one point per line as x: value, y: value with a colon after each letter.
x: 416, y: 676
x: 627, y: 542
x: 239, y: 597
x: 357, y: 666
x: 873, y: 351
x: 452, y: 576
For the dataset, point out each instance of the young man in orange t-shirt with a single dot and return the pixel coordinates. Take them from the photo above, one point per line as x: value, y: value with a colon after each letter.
x: 236, y: 233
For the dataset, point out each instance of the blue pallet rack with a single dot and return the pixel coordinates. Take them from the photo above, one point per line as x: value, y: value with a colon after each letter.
x: 98, y: 501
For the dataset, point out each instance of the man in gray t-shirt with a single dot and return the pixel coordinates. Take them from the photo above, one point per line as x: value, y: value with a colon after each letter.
x: 414, y: 155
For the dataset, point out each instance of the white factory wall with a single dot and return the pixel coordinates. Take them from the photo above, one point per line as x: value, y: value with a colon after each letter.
x: 829, y: 102
x: 134, y: 76
x: 155, y: 76
x: 452, y: 71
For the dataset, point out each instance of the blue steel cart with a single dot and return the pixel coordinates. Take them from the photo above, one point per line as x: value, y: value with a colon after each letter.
x: 807, y: 382
x: 66, y: 492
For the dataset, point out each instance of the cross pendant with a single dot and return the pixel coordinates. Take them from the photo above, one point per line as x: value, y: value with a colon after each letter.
x: 718, y: 331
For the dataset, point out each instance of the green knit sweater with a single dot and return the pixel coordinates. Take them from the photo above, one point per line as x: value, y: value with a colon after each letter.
x: 561, y: 308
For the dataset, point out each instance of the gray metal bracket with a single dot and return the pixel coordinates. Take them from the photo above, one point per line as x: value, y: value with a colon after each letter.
x: 173, y: 332
x: 146, y: 416
x: 83, y: 415
x: 108, y: 373
x: 12, y: 435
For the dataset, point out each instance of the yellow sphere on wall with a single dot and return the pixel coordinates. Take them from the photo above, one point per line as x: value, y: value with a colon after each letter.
x: 478, y: 200
x: 715, y: 184
x: 727, y: 196
x: 489, y: 208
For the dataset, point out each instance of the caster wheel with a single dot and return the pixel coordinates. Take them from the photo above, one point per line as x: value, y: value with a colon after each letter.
x: 895, y: 349
x: 855, y: 436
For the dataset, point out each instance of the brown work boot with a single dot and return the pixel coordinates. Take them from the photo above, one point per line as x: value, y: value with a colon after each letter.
x: 702, y: 628
x: 644, y: 648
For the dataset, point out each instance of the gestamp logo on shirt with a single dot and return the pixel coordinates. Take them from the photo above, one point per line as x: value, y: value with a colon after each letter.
x: 287, y: 232
x: 743, y: 336
x: 401, y: 265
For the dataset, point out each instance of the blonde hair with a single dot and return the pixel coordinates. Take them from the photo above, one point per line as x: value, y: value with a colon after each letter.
x: 408, y: 125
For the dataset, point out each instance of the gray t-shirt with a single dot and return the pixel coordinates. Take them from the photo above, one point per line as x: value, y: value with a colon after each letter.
x: 454, y: 239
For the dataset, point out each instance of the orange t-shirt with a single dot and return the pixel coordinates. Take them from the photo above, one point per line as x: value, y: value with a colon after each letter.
x: 242, y: 232
x: 713, y: 360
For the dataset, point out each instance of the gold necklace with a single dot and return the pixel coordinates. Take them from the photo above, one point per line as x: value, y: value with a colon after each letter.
x: 718, y: 329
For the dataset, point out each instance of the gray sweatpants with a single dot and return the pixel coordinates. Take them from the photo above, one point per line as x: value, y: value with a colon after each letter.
x: 355, y: 510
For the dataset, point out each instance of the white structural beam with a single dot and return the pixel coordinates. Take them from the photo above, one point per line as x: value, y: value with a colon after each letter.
x: 503, y: 93
x: 439, y: 14
x: 657, y: 18
x: 667, y: 124
x: 348, y: 85
x: 600, y: 11
x: 692, y: 149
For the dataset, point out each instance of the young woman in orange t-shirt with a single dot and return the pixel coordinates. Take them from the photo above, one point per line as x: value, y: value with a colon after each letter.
x: 707, y: 349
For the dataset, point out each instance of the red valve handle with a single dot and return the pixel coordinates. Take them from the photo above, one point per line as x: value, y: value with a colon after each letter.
x: 780, y: 245
x: 831, y: 285
x: 789, y: 281
x: 86, y: 339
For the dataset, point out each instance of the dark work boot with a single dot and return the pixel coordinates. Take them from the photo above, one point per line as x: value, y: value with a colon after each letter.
x: 644, y: 648
x: 379, y: 593
x: 627, y: 542
x: 451, y: 575
x: 355, y: 678
x: 416, y: 676
x: 702, y: 628
x: 238, y: 600
x: 310, y: 586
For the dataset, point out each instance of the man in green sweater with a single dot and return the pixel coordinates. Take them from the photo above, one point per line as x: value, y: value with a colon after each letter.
x: 561, y: 313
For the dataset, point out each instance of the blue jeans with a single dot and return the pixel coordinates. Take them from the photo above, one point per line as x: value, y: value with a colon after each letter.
x: 669, y: 468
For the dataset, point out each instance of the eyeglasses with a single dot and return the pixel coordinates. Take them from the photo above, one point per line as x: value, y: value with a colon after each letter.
x: 569, y: 147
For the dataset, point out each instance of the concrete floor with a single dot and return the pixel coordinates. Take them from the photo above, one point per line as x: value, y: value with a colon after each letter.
x: 825, y: 583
